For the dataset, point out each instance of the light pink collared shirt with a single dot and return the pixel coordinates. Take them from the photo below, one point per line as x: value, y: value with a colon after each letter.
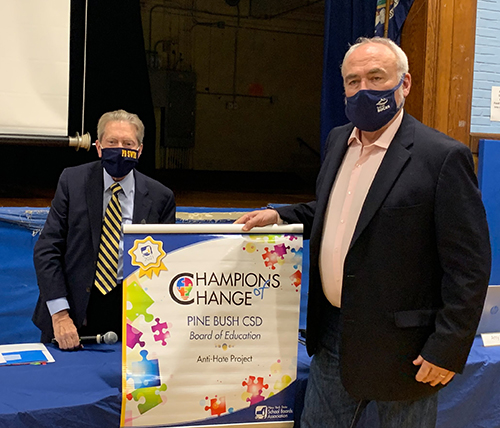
x: 361, y: 163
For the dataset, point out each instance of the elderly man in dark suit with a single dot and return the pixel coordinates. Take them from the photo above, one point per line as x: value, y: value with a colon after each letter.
x: 400, y: 254
x: 79, y: 255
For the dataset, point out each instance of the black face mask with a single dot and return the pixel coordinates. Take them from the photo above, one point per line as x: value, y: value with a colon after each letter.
x: 118, y: 162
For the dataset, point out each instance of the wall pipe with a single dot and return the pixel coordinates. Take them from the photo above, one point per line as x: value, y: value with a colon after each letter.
x: 78, y: 142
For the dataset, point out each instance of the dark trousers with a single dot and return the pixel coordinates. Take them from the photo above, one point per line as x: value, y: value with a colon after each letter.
x: 104, y: 313
x: 328, y: 405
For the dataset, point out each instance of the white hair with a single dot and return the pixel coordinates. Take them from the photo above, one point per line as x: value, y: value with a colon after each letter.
x: 120, y: 116
x: 401, y: 58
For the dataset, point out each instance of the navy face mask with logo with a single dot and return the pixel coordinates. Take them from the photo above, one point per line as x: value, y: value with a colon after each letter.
x: 118, y: 162
x: 370, y: 110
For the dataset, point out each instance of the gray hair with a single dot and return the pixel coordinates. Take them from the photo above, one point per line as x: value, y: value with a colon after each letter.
x: 401, y: 58
x: 121, y: 116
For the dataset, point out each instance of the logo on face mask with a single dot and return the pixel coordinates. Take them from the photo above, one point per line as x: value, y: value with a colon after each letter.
x: 383, y: 105
x: 119, y: 162
x: 128, y: 153
x: 370, y: 110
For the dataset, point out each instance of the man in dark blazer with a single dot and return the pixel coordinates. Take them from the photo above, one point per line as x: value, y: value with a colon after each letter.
x: 66, y: 254
x: 400, y: 254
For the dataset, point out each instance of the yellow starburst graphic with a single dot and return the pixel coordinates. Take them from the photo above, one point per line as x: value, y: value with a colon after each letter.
x: 148, y: 255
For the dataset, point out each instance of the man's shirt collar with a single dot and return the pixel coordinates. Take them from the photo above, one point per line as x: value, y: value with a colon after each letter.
x: 127, y: 184
x: 385, y: 139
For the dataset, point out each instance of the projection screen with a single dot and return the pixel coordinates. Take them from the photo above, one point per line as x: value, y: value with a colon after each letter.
x: 34, y: 66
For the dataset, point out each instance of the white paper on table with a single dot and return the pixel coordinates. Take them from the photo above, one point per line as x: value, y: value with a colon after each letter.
x: 24, y: 353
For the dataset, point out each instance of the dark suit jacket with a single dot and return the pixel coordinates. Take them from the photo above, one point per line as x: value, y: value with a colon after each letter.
x: 417, y: 269
x: 65, y: 255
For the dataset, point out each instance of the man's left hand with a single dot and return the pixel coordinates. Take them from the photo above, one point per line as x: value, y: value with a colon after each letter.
x: 430, y: 373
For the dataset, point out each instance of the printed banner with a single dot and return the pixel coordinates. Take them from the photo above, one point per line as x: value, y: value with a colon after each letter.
x: 211, y: 325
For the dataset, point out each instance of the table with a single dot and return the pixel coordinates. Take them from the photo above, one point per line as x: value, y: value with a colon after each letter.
x: 82, y: 390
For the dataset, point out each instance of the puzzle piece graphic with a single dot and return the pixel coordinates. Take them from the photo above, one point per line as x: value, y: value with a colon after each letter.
x: 272, y: 258
x: 280, y: 250
x: 161, y: 328
x: 151, y: 396
x: 296, y: 278
x: 140, y: 301
x: 134, y: 337
x: 291, y: 237
x: 297, y: 257
x: 255, y: 388
x: 184, y: 286
x: 254, y: 399
x: 217, y: 406
x: 283, y: 383
x: 145, y: 373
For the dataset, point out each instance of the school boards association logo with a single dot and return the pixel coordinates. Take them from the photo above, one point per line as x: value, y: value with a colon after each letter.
x: 148, y: 255
x: 261, y: 412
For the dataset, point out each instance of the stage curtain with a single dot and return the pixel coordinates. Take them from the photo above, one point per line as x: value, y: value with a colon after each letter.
x: 117, y: 73
x: 345, y: 21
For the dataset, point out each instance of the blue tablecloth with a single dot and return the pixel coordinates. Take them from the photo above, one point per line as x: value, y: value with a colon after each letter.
x: 79, y: 390
x: 82, y: 390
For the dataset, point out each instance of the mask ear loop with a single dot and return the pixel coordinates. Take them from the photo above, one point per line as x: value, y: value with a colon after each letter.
x: 397, y: 88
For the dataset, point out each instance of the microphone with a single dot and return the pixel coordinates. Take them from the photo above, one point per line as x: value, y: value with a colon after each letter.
x: 109, y: 338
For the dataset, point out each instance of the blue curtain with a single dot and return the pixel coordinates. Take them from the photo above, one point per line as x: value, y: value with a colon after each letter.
x: 345, y: 21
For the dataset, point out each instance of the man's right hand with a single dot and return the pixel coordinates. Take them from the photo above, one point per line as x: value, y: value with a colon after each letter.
x: 258, y: 218
x: 65, y: 332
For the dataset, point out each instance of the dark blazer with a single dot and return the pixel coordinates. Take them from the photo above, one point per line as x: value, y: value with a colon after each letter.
x: 417, y: 269
x: 65, y: 255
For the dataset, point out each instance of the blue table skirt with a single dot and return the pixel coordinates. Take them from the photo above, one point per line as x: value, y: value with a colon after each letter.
x: 82, y: 390
x: 79, y: 390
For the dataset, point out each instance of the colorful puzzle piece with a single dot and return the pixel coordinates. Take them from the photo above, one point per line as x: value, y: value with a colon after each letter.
x: 280, y: 250
x: 255, y: 388
x: 140, y: 301
x: 184, y: 285
x: 134, y: 337
x: 297, y: 257
x: 272, y: 258
x: 151, y: 396
x: 283, y: 383
x: 161, y: 328
x: 296, y: 278
x: 145, y: 373
x: 291, y: 237
x: 217, y: 406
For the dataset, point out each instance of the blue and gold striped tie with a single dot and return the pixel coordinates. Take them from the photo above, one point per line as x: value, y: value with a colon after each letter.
x: 107, y: 260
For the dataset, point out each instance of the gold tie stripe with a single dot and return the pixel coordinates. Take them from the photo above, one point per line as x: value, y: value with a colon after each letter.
x: 107, y: 260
